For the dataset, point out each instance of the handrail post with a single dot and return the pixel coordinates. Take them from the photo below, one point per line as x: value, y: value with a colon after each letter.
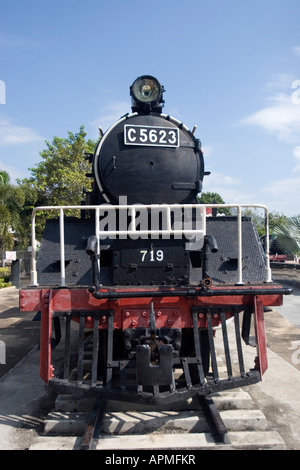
x: 240, y: 242
x: 267, y: 248
x: 62, y: 247
x: 33, y: 253
x: 97, y: 231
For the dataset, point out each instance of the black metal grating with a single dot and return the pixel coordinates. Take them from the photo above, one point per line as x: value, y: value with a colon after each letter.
x: 93, y: 367
x: 222, y: 266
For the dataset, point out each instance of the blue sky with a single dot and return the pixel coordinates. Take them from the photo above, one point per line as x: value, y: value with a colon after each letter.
x: 231, y: 67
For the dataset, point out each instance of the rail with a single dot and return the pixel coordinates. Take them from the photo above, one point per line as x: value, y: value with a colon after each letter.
x: 182, y: 226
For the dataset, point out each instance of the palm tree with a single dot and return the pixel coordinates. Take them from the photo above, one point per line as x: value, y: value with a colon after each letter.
x: 288, y: 235
x: 4, y: 178
x: 12, y: 200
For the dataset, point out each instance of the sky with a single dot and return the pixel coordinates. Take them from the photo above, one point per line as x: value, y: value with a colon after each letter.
x: 231, y: 67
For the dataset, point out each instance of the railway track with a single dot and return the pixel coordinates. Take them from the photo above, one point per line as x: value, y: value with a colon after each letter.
x: 71, y: 424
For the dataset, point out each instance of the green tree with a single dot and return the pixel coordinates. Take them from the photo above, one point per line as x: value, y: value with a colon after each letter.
x: 12, y: 201
x: 6, y: 236
x: 275, y: 220
x: 258, y: 220
x: 287, y: 232
x: 213, y: 198
x: 4, y: 178
x: 60, y: 177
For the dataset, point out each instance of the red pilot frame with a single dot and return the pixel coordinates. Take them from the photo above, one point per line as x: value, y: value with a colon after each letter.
x: 127, y: 309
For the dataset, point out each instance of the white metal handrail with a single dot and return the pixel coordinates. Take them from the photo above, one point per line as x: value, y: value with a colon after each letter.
x: 199, y: 230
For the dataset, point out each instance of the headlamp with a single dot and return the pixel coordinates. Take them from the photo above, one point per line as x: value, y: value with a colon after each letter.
x: 146, y: 92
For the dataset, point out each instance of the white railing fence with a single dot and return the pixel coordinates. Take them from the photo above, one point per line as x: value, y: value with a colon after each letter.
x: 176, y: 223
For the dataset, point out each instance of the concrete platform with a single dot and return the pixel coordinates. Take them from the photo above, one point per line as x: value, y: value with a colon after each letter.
x: 17, y: 330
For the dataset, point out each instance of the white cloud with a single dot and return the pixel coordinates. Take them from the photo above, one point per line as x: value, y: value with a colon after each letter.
x: 282, y: 114
x: 283, y: 186
x: 284, y: 195
x: 11, y: 134
x: 278, y: 83
x: 225, y: 180
x: 207, y: 151
x: 282, y: 118
x: 296, y: 51
x: 13, y: 171
x: 109, y: 114
x: 230, y: 189
x: 296, y: 153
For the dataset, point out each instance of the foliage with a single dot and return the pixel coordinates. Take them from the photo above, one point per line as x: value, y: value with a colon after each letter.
x: 4, y: 284
x: 4, y: 277
x: 60, y: 177
x: 5, y: 272
x: 213, y: 198
x: 57, y: 180
x: 258, y: 220
x: 275, y: 219
x: 4, y: 178
x: 12, y: 201
x: 6, y: 237
x: 287, y: 233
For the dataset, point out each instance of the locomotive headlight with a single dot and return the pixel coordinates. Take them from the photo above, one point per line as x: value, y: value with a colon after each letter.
x: 146, y: 92
x: 146, y: 89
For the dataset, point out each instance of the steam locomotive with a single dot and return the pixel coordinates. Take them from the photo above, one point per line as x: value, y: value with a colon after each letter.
x: 144, y: 287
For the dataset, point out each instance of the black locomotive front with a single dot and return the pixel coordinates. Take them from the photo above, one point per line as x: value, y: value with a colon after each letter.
x: 147, y: 156
x: 146, y: 272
